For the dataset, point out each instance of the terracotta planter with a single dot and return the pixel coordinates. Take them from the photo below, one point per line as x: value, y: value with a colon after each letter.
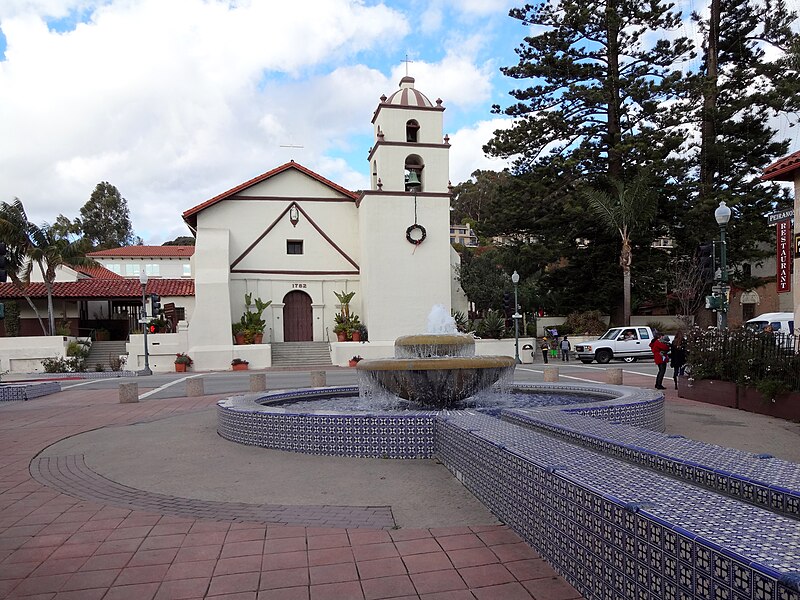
x: 356, y: 336
x: 711, y: 391
x: 180, y: 367
x: 238, y: 339
x: 786, y: 406
x: 258, y: 338
x: 352, y: 363
x: 341, y: 336
x: 240, y: 367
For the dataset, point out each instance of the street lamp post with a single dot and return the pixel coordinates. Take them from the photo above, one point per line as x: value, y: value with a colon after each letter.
x: 516, y: 316
x: 143, y: 320
x: 723, y: 214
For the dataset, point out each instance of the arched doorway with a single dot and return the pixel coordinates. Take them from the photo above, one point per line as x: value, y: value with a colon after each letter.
x: 298, y: 325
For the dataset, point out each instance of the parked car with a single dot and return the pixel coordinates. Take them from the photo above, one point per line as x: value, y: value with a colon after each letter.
x: 782, y: 322
x: 626, y: 343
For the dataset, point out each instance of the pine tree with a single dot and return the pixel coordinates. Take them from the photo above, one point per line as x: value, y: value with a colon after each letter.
x: 105, y: 219
x: 740, y: 90
x: 599, y: 82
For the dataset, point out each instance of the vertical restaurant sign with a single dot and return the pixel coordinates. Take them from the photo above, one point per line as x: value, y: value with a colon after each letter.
x: 784, y: 256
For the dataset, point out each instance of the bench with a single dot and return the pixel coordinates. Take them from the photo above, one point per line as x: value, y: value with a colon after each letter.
x: 757, y: 478
x: 618, y: 530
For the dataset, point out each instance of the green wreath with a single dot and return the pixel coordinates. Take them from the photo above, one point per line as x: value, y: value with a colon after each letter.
x: 413, y: 240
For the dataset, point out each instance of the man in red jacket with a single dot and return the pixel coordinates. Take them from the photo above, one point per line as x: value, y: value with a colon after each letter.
x: 660, y: 348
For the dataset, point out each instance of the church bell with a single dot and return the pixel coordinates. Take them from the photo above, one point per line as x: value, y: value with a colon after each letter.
x: 412, y: 181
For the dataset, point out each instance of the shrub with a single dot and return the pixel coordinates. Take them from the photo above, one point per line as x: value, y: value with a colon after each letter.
x: 589, y: 322
x: 492, y: 326
x: 763, y: 361
x: 12, y: 318
x: 78, y: 349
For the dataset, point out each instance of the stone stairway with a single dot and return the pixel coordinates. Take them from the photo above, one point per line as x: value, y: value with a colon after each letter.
x: 301, y: 354
x: 101, y: 353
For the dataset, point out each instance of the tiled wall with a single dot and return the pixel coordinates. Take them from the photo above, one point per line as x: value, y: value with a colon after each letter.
x: 617, y: 531
x: 251, y: 420
x: 389, y: 435
x: 27, y: 391
x: 758, y: 478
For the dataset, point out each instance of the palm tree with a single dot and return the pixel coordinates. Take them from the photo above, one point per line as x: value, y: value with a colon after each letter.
x: 629, y: 207
x: 14, y: 232
x: 44, y: 247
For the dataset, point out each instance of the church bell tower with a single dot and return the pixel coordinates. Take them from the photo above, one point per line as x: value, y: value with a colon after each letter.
x: 404, y: 218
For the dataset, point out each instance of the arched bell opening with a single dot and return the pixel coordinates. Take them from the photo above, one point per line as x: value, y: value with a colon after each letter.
x: 414, y: 178
x: 412, y: 131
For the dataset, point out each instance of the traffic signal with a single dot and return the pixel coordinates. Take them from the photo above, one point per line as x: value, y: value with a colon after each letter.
x: 155, y: 302
x: 508, y: 304
x: 151, y: 328
x: 705, y: 261
x: 3, y: 253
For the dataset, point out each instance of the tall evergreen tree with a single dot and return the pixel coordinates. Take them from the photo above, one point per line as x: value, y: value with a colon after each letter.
x: 599, y: 79
x: 105, y: 220
x: 740, y: 90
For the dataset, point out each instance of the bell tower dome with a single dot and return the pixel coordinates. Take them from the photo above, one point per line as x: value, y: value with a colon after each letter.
x: 404, y: 216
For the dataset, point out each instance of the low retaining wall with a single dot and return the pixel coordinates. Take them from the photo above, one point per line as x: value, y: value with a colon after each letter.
x: 615, y: 530
x: 372, y: 435
x: 728, y: 393
x: 27, y: 391
x: 250, y: 420
x: 760, y: 479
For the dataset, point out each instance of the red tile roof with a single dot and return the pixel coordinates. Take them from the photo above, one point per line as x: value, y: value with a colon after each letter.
x: 145, y: 251
x: 190, y: 216
x: 783, y: 169
x: 103, y: 288
x: 97, y: 272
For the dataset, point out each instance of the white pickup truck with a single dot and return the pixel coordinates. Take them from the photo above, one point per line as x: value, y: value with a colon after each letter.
x: 627, y: 343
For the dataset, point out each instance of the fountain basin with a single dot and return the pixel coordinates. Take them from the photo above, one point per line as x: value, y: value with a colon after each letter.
x: 254, y: 420
x: 436, y: 382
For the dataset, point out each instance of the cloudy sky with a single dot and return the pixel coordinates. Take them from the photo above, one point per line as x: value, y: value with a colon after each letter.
x: 176, y: 101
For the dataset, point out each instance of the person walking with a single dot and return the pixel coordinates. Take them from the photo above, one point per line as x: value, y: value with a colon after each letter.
x: 678, y: 356
x: 545, y: 348
x: 660, y: 349
x: 565, y: 348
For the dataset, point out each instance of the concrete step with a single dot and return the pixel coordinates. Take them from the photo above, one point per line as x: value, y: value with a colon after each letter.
x: 102, y: 352
x: 299, y: 354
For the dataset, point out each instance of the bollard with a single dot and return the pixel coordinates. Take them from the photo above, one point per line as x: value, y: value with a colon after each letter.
x: 258, y: 382
x: 551, y: 374
x: 128, y: 392
x: 194, y: 387
x: 318, y: 378
x: 614, y: 376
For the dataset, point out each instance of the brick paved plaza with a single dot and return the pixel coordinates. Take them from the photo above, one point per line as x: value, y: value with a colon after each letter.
x: 69, y: 533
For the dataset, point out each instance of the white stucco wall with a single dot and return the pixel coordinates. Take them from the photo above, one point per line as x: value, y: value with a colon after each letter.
x: 25, y: 354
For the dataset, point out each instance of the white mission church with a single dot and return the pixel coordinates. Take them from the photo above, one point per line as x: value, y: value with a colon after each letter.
x: 295, y: 238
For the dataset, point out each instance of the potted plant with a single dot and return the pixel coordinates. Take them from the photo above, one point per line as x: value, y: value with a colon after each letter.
x: 251, y: 324
x: 341, y: 326
x: 238, y: 333
x: 182, y: 362
x: 359, y: 330
x: 354, y: 361
x: 239, y: 364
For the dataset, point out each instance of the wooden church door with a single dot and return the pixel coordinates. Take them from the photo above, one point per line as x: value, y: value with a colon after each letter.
x: 298, y: 325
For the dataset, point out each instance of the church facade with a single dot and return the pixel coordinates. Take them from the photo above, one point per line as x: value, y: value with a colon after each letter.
x: 295, y: 238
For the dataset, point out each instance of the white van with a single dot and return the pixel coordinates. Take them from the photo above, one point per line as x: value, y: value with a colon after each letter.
x: 782, y: 322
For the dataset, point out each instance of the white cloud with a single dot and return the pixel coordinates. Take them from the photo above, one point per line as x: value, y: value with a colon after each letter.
x: 466, y: 154
x: 174, y: 102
